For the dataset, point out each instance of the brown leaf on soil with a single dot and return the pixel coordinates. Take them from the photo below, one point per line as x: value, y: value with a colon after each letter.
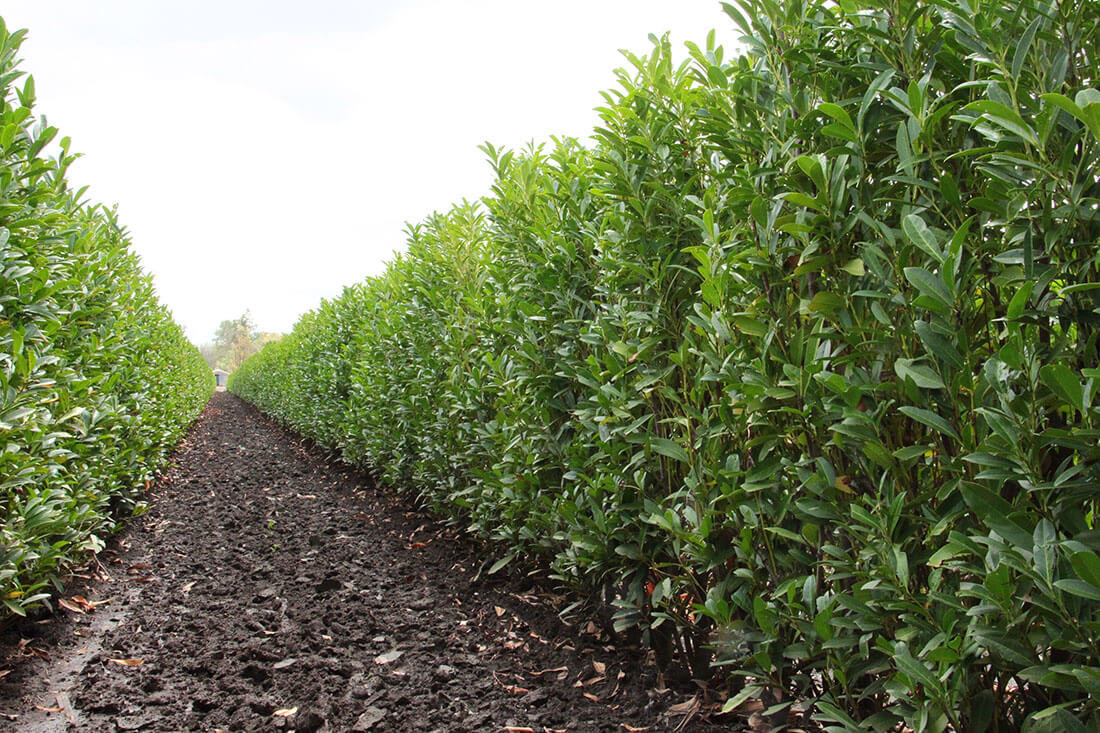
x: 24, y: 647
x: 90, y: 605
x: 518, y: 729
x: 285, y: 712
x: 686, y: 707
x: 4, y: 672
x: 555, y: 670
x: 127, y: 662
x: 632, y: 729
x: 187, y: 588
x: 416, y: 546
x: 143, y: 579
x: 600, y: 667
x: 70, y: 606
x: 591, y: 697
x: 390, y: 656
x: 499, y: 611
x: 48, y: 710
x: 138, y: 567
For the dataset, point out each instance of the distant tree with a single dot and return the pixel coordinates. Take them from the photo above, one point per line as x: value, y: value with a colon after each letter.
x: 235, y: 341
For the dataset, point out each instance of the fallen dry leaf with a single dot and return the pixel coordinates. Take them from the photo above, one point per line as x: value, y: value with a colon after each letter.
x: 4, y: 672
x: 285, y: 712
x: 90, y: 605
x: 390, y: 656
x: 685, y: 707
x: 187, y: 588
x: 555, y: 670
x: 591, y: 697
x: 600, y: 667
x: 127, y: 662
x: 48, y: 710
x: 500, y: 611
x: 632, y: 729
x: 416, y: 546
x: 138, y: 566
x: 70, y: 606
x: 519, y: 729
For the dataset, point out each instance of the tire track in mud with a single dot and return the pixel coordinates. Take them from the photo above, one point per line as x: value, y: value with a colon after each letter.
x: 269, y: 589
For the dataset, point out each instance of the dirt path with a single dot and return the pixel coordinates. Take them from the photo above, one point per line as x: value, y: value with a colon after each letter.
x: 268, y: 589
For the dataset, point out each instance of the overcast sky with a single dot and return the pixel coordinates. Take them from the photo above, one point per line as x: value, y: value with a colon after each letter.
x: 266, y: 153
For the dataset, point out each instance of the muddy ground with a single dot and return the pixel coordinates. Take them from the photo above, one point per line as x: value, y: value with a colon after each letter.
x: 268, y: 588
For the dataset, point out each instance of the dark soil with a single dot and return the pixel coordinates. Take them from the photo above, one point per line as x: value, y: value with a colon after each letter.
x: 268, y: 588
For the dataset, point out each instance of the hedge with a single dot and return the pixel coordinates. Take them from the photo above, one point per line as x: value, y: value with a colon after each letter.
x: 97, y: 382
x: 796, y: 366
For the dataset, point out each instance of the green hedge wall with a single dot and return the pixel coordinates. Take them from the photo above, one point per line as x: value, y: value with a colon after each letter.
x: 97, y: 382
x: 797, y: 365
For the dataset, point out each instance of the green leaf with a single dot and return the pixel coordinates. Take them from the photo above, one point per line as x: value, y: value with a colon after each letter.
x: 1087, y: 566
x: 1019, y: 300
x: 1078, y: 588
x: 838, y: 131
x: 910, y: 452
x: 811, y: 166
x: 923, y: 376
x: 800, y: 199
x: 1004, y: 117
x: 741, y: 697
x: 918, y: 233
x: 931, y: 286
x: 947, y: 552
x: 669, y: 448
x: 914, y: 669
x: 838, y: 113
x: 749, y: 325
x: 826, y: 303
x: 1024, y: 46
x: 1075, y: 111
x: 931, y: 419
x: 995, y: 511
x: 854, y: 267
x: 501, y: 563
x: 938, y: 345
x: 871, y: 94
x: 1063, y: 382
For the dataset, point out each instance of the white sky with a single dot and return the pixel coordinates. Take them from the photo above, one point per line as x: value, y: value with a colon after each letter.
x: 266, y: 153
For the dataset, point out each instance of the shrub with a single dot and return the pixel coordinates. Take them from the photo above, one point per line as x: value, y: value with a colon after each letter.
x: 97, y: 383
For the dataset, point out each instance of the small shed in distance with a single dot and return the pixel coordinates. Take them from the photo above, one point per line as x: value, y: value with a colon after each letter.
x: 220, y: 377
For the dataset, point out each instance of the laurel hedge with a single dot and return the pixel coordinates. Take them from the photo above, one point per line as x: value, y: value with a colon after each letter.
x: 97, y: 382
x: 797, y: 365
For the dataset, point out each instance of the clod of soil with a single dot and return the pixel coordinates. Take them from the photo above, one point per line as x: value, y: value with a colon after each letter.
x: 269, y: 589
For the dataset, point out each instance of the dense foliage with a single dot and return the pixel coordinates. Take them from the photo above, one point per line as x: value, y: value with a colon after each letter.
x: 797, y: 364
x: 97, y: 382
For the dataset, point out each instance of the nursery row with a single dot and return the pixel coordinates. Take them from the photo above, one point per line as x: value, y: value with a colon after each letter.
x: 97, y: 382
x: 795, y: 366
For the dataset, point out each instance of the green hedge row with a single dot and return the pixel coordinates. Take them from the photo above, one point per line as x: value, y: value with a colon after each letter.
x: 798, y: 364
x: 97, y: 382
